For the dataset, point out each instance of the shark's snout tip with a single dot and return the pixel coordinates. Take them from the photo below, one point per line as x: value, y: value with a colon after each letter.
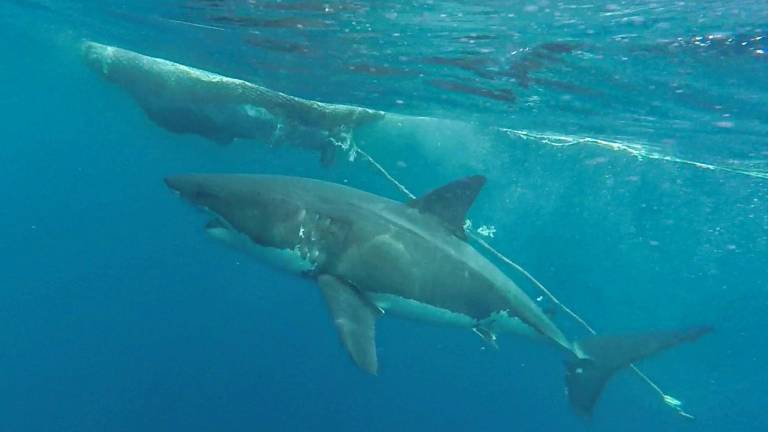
x: 171, y: 183
x: 192, y: 187
x: 180, y: 184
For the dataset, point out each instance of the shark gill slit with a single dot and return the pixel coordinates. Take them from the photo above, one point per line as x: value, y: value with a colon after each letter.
x: 669, y: 400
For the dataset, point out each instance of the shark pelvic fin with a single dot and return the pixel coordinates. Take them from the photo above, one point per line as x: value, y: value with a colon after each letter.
x: 354, y: 318
x: 450, y: 203
x: 602, y: 356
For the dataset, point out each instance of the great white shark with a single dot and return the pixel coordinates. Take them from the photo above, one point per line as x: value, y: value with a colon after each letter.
x: 372, y: 256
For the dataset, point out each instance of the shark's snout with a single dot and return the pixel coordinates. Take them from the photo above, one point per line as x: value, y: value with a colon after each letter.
x: 174, y: 183
x: 192, y: 188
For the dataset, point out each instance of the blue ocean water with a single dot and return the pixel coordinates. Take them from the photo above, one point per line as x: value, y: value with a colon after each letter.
x: 625, y: 147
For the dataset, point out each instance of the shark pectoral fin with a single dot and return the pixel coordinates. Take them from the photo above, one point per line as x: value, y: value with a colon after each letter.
x: 355, y: 320
x: 451, y: 202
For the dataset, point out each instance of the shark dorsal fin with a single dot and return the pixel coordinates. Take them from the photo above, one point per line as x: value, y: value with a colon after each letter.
x: 450, y: 203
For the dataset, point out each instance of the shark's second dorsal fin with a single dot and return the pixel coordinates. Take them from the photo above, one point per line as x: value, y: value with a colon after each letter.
x: 450, y: 203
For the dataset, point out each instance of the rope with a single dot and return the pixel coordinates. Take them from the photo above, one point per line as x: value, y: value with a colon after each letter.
x: 386, y: 174
x: 666, y: 398
x: 533, y: 280
x: 669, y: 400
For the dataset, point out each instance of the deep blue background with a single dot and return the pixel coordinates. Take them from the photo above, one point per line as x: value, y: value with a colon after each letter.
x: 119, y: 314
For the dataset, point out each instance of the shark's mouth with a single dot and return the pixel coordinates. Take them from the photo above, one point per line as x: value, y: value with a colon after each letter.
x: 300, y: 259
x: 216, y: 223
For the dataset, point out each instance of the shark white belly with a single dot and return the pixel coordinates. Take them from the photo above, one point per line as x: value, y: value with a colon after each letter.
x: 419, y: 311
x: 290, y: 260
x: 416, y: 310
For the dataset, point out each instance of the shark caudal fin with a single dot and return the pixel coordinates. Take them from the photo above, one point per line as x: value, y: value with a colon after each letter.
x: 602, y: 356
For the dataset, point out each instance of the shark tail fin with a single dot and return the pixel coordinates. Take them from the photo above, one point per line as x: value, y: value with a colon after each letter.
x: 600, y: 357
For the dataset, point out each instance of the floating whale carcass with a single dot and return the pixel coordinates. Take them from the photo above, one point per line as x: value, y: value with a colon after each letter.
x: 187, y: 100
